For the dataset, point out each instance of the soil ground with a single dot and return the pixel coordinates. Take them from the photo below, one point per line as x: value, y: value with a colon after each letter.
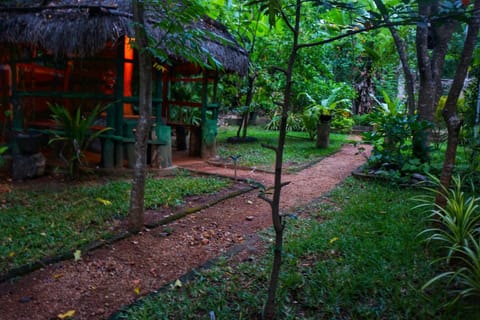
x: 107, y: 279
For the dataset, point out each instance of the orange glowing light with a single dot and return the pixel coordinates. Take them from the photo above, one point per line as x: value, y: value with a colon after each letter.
x: 127, y: 75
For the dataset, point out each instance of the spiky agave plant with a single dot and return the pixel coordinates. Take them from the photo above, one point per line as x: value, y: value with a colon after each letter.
x: 76, y: 134
x: 465, y: 280
x: 456, y: 224
x: 457, y: 228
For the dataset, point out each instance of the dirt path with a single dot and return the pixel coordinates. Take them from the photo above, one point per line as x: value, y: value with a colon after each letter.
x: 106, y: 279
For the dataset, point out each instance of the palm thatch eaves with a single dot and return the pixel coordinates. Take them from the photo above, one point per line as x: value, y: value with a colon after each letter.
x: 82, y: 28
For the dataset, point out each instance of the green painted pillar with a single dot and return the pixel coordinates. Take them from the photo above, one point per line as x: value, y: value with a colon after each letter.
x: 17, y: 110
x: 209, y: 139
x: 204, y: 129
x: 129, y: 140
x: 209, y: 124
x: 158, y: 98
x: 119, y: 143
x: 108, y: 145
x: 162, y: 147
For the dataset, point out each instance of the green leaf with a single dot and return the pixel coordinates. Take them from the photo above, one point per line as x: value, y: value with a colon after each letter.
x: 77, y: 255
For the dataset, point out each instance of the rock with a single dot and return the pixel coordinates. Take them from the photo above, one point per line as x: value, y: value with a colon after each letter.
x: 419, y: 177
x: 249, y: 218
x: 25, y: 299
x: 28, y: 166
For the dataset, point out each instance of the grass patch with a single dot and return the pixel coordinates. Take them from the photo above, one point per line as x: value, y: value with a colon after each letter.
x: 44, y: 222
x: 299, y: 150
x: 356, y: 257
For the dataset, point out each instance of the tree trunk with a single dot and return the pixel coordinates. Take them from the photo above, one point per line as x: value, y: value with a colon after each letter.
x: 269, y: 311
x: 242, y: 128
x: 402, y: 53
x: 407, y: 73
x: 248, y: 101
x: 450, y: 115
x: 365, y: 91
x: 323, y: 134
x: 476, y: 123
x: 277, y: 219
x: 432, y: 42
x: 136, y: 211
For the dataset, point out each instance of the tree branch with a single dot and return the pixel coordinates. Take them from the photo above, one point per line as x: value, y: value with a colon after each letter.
x: 269, y: 147
x: 263, y: 193
x: 287, y: 22
x: 265, y: 198
x: 348, y: 34
x: 389, y: 24
x: 284, y: 184
x: 278, y: 69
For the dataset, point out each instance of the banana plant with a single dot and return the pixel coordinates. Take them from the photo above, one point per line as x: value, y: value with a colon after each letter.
x: 316, y: 110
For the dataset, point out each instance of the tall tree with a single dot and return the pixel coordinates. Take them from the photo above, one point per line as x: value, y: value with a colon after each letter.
x: 250, y: 29
x: 136, y: 211
x: 450, y: 114
x: 248, y: 35
x: 401, y: 46
x: 438, y: 21
x: 436, y: 24
x: 180, y: 38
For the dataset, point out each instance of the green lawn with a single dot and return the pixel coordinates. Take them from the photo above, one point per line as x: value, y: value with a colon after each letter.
x: 355, y: 256
x: 299, y: 150
x: 47, y: 222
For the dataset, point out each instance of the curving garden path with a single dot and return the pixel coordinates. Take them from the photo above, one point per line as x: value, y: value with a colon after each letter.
x: 106, y: 279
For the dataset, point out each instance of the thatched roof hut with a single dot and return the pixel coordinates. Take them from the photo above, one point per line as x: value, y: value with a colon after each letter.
x: 77, y: 53
x: 82, y: 28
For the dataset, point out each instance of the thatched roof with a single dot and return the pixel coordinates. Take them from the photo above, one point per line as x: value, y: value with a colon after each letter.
x: 82, y: 28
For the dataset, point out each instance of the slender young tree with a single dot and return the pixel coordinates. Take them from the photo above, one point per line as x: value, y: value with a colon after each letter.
x: 178, y: 40
x: 245, y: 24
x: 277, y: 218
x: 276, y: 9
x: 403, y: 56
